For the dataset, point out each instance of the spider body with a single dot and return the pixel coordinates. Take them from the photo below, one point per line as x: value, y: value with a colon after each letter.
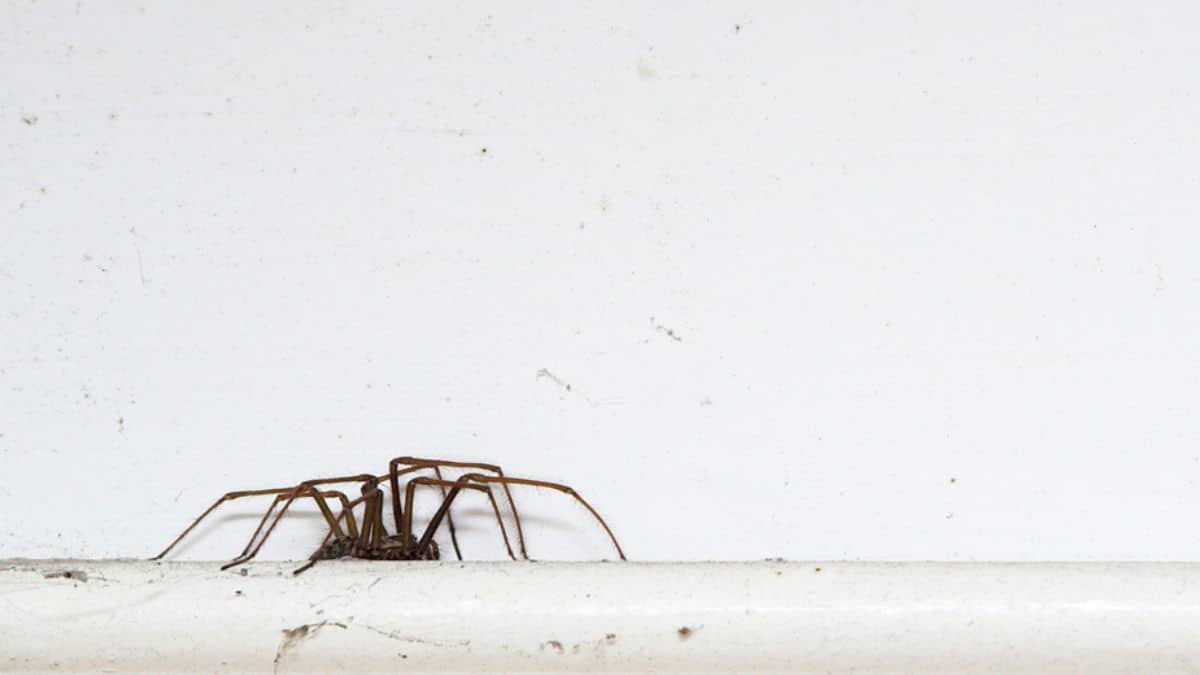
x: 400, y: 552
x: 346, y: 547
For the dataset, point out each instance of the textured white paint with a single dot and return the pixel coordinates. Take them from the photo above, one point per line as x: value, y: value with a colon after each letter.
x: 701, y: 617
x: 831, y: 280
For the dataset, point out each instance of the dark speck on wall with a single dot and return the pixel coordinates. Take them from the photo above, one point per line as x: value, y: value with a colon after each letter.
x: 669, y: 332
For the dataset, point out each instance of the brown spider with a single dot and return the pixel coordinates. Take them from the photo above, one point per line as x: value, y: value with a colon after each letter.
x: 372, y: 540
x: 307, y: 489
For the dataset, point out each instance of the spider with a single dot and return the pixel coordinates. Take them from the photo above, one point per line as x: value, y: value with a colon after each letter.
x: 372, y: 540
x: 287, y: 496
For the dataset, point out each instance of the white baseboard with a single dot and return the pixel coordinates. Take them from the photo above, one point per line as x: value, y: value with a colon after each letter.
x: 355, y: 616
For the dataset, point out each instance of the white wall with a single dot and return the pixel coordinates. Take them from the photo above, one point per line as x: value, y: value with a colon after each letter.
x: 827, y: 281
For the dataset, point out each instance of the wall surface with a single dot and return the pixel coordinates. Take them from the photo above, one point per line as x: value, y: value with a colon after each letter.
x: 823, y: 281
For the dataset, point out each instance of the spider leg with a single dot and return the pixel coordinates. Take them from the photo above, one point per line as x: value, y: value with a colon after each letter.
x: 300, y: 491
x: 351, y: 525
x: 480, y: 478
x: 449, y: 517
x: 415, y: 464
x: 307, y: 488
x: 347, y: 512
x: 312, y: 559
x: 455, y: 488
x: 467, y: 465
x: 228, y: 496
x: 373, y: 531
x: 303, y: 492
